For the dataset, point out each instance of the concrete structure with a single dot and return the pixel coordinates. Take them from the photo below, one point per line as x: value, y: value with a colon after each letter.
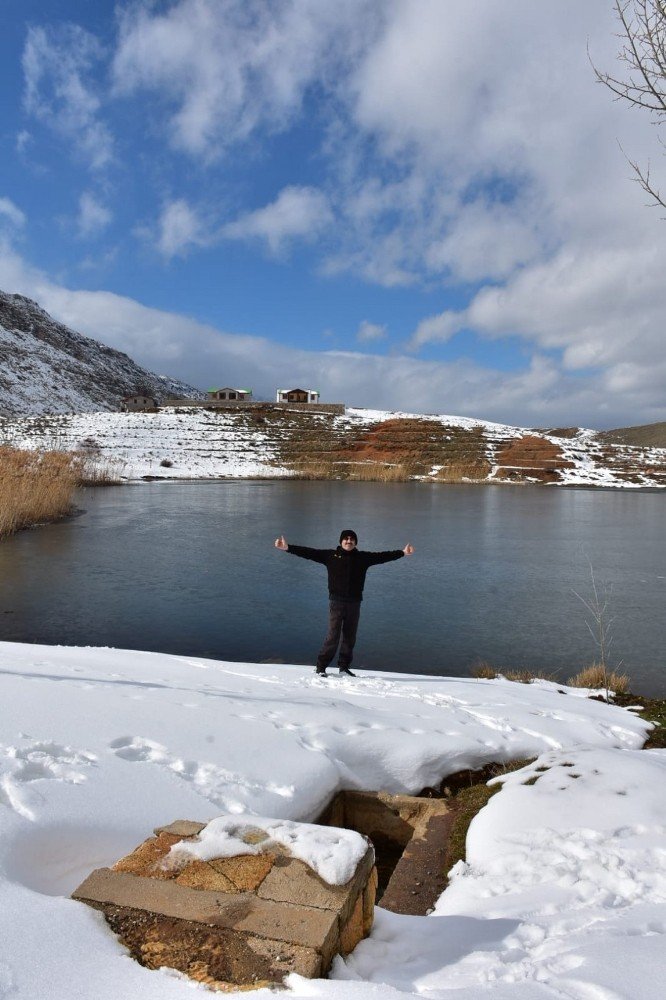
x: 240, y: 395
x: 138, y: 402
x: 297, y: 396
x: 410, y: 835
x: 247, y: 920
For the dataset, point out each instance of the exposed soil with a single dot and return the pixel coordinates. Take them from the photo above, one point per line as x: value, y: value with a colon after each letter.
x: 531, y: 456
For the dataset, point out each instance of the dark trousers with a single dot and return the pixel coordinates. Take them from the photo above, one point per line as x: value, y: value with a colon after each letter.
x: 342, y: 619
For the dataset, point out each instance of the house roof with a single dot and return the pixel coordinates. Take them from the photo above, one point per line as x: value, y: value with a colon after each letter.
x: 299, y: 390
x: 228, y: 388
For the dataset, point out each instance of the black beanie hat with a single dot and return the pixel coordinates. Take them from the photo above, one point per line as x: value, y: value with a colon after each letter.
x: 348, y: 533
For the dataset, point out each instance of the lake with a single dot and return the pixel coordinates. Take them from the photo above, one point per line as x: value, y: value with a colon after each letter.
x: 190, y: 568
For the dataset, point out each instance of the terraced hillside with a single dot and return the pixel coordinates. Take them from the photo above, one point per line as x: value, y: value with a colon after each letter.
x: 265, y: 441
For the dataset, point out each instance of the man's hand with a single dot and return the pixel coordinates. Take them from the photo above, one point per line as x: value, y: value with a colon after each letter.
x: 408, y: 549
x: 281, y: 543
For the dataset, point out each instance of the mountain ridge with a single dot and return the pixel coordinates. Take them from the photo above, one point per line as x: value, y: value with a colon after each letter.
x: 46, y: 367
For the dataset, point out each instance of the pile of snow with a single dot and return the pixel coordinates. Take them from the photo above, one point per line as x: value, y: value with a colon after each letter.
x: 334, y: 854
x: 563, y: 892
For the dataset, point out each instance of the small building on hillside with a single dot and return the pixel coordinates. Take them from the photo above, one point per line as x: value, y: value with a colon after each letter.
x: 227, y: 393
x: 297, y: 396
x: 138, y: 402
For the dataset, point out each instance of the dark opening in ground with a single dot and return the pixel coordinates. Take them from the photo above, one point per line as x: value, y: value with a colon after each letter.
x: 409, y: 834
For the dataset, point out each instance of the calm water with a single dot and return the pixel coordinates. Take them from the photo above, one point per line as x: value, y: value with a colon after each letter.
x: 191, y: 568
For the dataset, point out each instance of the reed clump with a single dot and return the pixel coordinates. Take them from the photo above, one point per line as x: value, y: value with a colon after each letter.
x: 598, y: 676
x: 378, y: 472
x: 35, y: 486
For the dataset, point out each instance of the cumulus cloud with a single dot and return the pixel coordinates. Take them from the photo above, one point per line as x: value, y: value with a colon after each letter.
x: 93, y: 217
x: 296, y: 213
x: 370, y: 332
x: 58, y: 65
x: 225, y: 67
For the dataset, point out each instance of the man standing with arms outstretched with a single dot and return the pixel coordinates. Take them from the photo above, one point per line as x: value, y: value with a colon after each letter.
x: 347, y: 567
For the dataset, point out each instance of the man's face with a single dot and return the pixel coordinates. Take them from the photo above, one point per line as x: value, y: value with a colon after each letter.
x: 348, y: 543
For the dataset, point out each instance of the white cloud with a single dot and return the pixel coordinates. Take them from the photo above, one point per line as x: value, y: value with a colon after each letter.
x: 58, y: 65
x: 11, y: 213
x: 296, y: 213
x: 370, y: 332
x: 434, y: 329
x: 179, y: 229
x: 225, y: 67
x: 93, y: 216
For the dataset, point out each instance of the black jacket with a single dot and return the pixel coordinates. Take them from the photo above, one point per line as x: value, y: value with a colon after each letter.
x: 346, y: 570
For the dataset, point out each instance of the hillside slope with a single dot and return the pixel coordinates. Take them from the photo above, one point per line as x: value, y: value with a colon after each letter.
x: 265, y: 440
x: 644, y: 436
x: 47, y: 368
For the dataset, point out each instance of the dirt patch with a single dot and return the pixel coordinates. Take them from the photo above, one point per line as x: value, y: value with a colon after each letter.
x: 531, y: 456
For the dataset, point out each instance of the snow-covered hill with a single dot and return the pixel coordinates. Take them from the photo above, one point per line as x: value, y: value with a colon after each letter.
x: 47, y: 368
x: 251, y: 442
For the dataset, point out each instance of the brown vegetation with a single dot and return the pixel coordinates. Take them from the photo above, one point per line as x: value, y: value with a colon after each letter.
x: 38, y: 486
x: 597, y: 676
x: 35, y: 487
x: 643, y: 436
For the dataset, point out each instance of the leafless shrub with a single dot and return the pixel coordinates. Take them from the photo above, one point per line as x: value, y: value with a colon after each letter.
x: 643, y: 53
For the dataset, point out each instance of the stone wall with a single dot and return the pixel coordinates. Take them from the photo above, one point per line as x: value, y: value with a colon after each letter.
x: 235, y: 404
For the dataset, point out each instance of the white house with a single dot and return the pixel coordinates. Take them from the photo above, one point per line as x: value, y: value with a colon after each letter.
x: 297, y: 396
x: 228, y: 393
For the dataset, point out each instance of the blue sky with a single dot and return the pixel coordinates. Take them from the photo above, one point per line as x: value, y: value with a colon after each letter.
x: 419, y: 206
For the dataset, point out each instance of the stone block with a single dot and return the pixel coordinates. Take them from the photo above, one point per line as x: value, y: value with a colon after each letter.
x: 246, y: 920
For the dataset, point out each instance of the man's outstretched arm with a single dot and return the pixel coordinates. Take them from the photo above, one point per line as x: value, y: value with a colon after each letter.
x: 316, y: 555
x: 376, y: 558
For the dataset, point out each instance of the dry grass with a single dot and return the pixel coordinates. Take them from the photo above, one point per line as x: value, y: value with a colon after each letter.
x: 525, y: 676
x: 378, y: 472
x: 485, y: 671
x: 463, y: 471
x: 596, y: 676
x: 35, y: 487
x: 369, y: 472
x: 313, y: 469
x: 95, y: 472
x: 38, y: 486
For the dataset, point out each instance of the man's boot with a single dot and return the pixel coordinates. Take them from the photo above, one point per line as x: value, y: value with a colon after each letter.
x: 347, y: 671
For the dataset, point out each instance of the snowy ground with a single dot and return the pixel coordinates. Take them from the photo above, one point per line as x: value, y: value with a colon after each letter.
x: 563, y: 894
